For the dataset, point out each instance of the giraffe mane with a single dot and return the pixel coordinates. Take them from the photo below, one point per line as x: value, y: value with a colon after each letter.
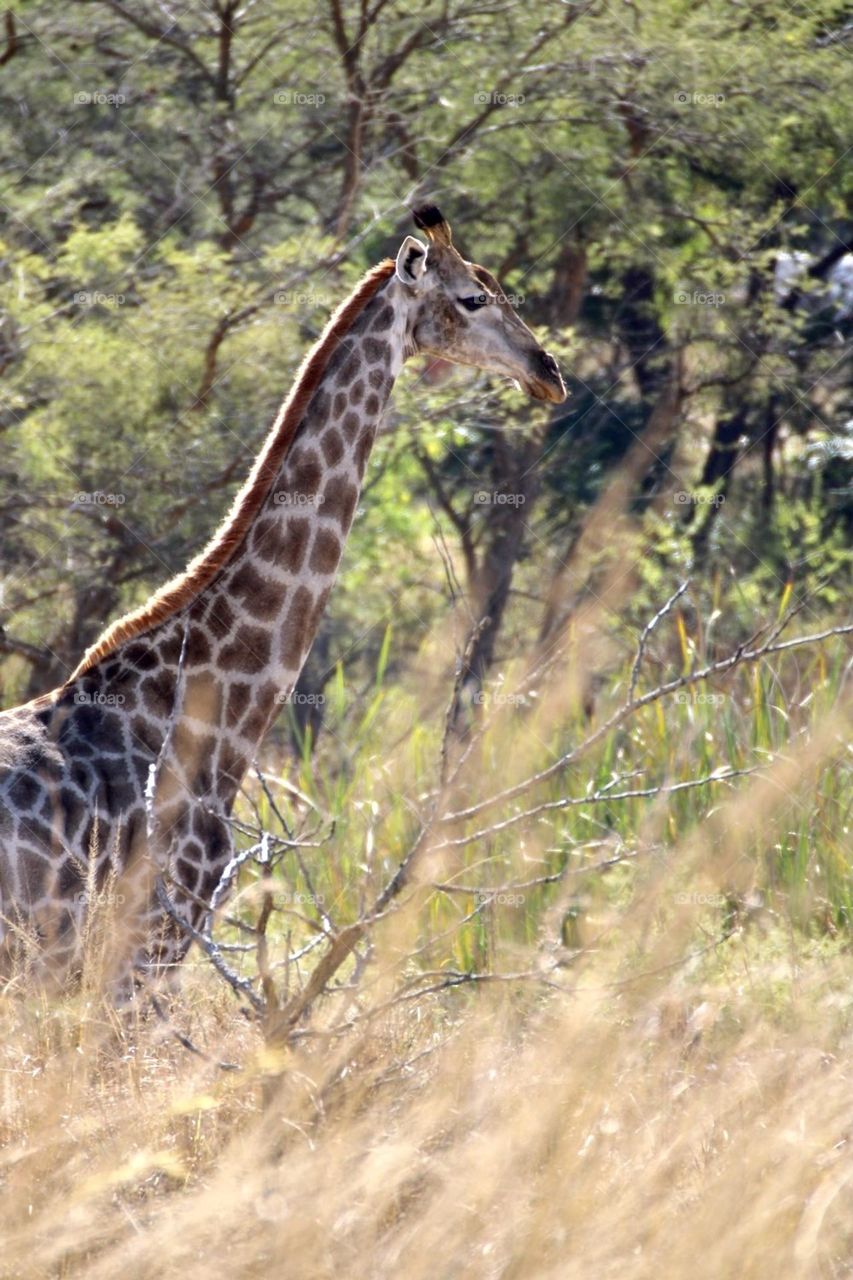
x: 201, y: 571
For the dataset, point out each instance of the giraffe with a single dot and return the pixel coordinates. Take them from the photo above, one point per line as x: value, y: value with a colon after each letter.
x: 132, y: 766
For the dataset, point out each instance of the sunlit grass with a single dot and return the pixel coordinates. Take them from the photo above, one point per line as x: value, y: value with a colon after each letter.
x: 364, y: 804
x: 635, y: 1067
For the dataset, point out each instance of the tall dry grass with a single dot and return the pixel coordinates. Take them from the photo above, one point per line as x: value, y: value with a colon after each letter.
x: 674, y: 1099
x: 609, y: 1038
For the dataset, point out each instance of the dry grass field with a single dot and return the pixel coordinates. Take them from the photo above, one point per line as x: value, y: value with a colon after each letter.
x: 638, y: 1068
x: 537, y: 962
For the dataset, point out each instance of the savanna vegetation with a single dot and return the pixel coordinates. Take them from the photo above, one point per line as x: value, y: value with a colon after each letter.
x: 539, y: 957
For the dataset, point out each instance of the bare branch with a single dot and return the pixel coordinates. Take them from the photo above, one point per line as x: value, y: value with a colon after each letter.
x: 598, y: 797
x: 628, y: 708
x: 162, y: 37
x: 210, y: 949
x: 647, y: 631
x: 12, y: 44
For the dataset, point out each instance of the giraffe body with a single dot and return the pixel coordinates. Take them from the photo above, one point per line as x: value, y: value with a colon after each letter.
x: 137, y: 759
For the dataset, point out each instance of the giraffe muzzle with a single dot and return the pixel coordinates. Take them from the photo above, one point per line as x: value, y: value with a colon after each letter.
x: 544, y: 381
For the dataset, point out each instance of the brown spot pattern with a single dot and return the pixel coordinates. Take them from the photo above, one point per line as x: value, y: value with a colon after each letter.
x: 326, y: 551
x: 297, y: 629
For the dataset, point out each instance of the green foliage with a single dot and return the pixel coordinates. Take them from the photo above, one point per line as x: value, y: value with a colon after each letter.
x: 796, y: 866
x: 183, y: 206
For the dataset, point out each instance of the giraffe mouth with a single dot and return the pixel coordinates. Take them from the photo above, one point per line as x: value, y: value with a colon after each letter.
x: 549, y: 392
x: 544, y: 381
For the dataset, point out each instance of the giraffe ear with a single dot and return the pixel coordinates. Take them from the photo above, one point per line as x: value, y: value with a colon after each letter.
x: 411, y: 261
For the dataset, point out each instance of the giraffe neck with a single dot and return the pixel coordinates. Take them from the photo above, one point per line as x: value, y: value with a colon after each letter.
x: 231, y: 657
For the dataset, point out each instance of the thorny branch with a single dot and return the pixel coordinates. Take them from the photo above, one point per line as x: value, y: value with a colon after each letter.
x: 647, y: 631
x: 281, y: 1017
x: 631, y: 705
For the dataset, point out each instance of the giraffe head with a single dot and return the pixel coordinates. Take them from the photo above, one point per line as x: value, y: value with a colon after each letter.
x: 459, y: 312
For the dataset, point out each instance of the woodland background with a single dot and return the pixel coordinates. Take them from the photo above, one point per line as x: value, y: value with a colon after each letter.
x: 566, y: 680
x: 188, y: 190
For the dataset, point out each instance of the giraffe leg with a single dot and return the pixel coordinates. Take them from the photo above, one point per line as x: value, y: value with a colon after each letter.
x: 180, y: 903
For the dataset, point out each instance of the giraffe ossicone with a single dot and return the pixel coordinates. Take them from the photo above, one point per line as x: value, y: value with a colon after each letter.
x: 128, y: 772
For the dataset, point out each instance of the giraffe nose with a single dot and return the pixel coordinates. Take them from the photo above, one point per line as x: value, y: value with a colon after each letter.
x: 546, y: 382
x: 549, y: 364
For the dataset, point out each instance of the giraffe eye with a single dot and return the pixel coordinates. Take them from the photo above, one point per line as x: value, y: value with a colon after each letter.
x: 475, y: 302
